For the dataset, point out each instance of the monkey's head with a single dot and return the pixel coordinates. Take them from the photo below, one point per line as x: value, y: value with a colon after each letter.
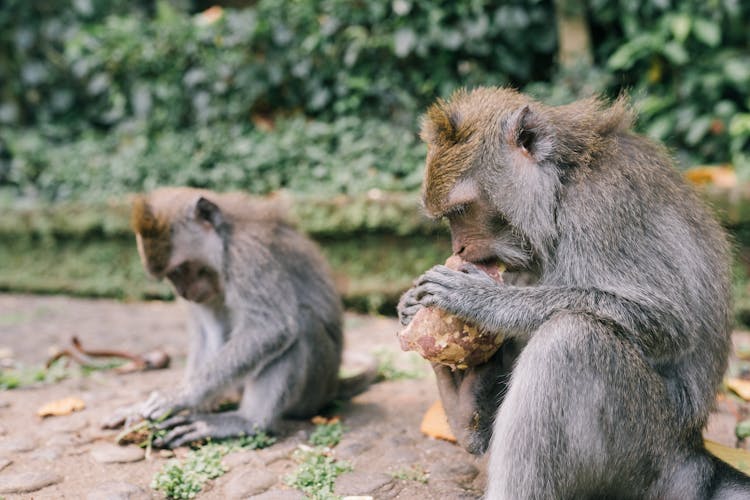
x: 180, y: 234
x: 496, y: 164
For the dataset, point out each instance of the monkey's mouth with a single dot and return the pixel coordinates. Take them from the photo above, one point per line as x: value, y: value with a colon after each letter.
x: 492, y: 266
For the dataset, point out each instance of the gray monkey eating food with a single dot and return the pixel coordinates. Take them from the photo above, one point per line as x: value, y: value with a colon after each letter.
x: 264, y: 313
x: 614, y: 354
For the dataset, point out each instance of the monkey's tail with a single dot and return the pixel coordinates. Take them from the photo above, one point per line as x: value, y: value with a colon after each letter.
x: 366, y: 374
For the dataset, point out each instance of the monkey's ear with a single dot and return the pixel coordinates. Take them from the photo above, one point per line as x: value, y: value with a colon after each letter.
x: 208, y: 211
x: 525, y: 130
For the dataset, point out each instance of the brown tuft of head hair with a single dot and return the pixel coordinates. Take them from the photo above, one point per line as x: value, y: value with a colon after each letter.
x: 145, y: 222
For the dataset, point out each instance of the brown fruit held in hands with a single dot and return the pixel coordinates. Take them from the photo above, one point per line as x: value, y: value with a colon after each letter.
x: 442, y: 338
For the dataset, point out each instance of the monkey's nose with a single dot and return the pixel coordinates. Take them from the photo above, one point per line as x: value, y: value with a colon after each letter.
x: 459, y: 251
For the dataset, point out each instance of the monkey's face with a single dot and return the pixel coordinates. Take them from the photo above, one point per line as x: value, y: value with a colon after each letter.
x: 195, y: 282
x: 490, y: 172
x: 179, y: 241
x: 481, y: 234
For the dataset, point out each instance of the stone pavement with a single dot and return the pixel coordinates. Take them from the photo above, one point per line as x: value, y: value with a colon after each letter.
x: 71, y: 457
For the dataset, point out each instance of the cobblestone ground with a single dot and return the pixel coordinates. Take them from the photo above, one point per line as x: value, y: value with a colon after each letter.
x: 71, y: 457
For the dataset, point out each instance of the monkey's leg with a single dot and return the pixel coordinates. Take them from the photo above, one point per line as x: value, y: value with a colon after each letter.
x: 584, y: 417
x: 265, y: 398
x: 471, y: 397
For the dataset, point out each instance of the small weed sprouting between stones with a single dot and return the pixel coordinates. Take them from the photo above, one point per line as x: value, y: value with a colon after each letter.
x: 185, y: 479
x: 388, y: 370
x: 181, y: 480
x: 24, y: 376
x: 413, y: 473
x: 317, y: 472
x: 318, y: 468
x: 257, y: 441
x: 327, y: 434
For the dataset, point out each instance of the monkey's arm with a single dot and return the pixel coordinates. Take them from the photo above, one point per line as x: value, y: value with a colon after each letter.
x: 652, y: 323
x: 250, y: 347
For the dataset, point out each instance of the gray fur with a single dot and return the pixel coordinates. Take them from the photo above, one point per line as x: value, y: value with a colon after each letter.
x: 274, y: 328
x: 626, y: 331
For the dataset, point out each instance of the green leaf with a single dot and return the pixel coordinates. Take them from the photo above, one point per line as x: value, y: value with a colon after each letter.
x: 698, y: 130
x: 680, y: 26
x: 404, y: 41
x: 675, y: 53
x: 738, y: 71
x: 743, y: 429
x: 707, y: 32
x: 661, y: 127
x: 740, y: 125
x: 628, y: 54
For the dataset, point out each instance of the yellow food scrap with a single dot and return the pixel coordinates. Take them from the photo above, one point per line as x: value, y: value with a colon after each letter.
x: 739, y: 387
x: 737, y: 458
x: 435, y: 423
x: 61, y: 407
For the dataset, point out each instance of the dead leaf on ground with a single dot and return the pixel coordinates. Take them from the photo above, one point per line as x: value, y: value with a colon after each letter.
x: 435, y: 423
x: 719, y: 175
x: 736, y: 457
x: 739, y: 387
x: 61, y: 407
x: 321, y: 420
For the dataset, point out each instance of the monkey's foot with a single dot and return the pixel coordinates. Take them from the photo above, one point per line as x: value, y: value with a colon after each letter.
x: 184, y: 429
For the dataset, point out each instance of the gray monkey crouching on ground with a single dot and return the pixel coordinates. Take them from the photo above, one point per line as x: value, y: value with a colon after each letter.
x: 264, y: 313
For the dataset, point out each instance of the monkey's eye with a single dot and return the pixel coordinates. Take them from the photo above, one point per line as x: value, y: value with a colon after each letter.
x: 456, y: 211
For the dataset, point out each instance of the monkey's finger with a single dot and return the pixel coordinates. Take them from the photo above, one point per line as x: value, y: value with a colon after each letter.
x: 173, y: 422
x: 114, y: 421
x: 426, y: 289
x: 125, y: 416
x: 187, y: 434
x: 169, y: 439
x: 408, y: 299
x: 188, y: 438
x: 429, y: 300
x: 406, y: 314
x: 156, y: 412
x: 440, y: 275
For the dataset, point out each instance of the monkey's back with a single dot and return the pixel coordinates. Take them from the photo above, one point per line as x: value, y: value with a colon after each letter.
x: 291, y: 287
x: 642, y: 232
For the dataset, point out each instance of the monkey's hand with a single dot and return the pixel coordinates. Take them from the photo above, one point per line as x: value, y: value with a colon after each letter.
x: 461, y: 293
x: 184, y: 429
x: 158, y: 406
x: 408, y: 306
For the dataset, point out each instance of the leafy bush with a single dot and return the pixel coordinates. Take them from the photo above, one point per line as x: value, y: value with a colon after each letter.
x: 688, y: 66
x: 348, y: 155
x: 113, y: 96
x: 97, y: 61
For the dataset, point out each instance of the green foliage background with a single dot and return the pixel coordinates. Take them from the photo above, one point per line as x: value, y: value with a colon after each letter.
x: 99, y: 98
x: 323, y: 96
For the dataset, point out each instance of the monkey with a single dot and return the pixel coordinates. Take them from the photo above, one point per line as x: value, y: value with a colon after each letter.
x: 620, y: 340
x: 263, y: 313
